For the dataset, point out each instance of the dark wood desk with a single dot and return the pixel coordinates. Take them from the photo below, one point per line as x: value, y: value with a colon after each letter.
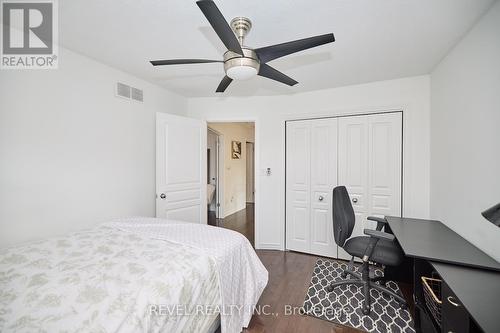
x: 471, y: 279
x: 432, y: 240
x: 477, y: 289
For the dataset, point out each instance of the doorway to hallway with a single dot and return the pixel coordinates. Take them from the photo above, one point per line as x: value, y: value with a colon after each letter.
x: 231, y: 176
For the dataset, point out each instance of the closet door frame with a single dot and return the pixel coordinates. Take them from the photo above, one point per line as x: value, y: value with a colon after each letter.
x: 354, y: 114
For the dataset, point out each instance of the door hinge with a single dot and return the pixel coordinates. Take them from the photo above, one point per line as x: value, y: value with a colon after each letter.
x: 218, y: 204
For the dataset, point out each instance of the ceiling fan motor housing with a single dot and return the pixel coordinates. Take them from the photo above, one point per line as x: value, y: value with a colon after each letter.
x: 241, y: 27
x: 237, y: 66
x: 240, y: 67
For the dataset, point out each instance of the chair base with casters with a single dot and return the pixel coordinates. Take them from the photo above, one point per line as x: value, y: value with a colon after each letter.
x: 377, y: 247
x: 364, y: 280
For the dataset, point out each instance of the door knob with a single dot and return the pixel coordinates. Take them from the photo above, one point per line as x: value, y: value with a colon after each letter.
x: 354, y: 200
x: 320, y: 198
x: 163, y: 196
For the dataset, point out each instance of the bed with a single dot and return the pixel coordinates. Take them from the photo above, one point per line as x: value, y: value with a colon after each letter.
x: 132, y: 275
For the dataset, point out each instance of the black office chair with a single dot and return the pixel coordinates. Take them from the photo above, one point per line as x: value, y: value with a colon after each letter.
x: 378, y: 247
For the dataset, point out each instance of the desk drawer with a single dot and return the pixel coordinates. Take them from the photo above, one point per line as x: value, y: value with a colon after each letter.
x: 455, y: 318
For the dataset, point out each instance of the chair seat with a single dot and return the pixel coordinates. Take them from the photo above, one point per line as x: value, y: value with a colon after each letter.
x: 385, y: 252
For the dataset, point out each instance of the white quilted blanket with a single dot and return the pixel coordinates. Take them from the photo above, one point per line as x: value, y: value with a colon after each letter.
x: 242, y: 276
x: 104, y: 280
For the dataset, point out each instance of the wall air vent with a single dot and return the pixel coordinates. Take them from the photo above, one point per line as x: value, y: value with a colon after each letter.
x: 137, y: 94
x: 122, y: 90
x: 128, y: 92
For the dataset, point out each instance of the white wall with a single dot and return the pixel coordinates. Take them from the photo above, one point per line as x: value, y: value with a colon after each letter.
x: 409, y: 94
x: 465, y: 134
x: 234, y: 173
x: 71, y: 153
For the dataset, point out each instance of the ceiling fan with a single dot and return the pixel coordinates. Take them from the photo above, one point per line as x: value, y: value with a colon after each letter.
x: 242, y: 62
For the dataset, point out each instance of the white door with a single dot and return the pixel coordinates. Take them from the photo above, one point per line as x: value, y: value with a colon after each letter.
x: 250, y: 187
x: 370, y: 167
x: 385, y: 156
x: 311, y: 174
x: 323, y: 180
x: 181, y: 177
x: 298, y: 184
x: 353, y: 168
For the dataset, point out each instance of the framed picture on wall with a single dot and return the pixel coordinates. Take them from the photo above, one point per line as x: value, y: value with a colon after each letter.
x: 235, y: 150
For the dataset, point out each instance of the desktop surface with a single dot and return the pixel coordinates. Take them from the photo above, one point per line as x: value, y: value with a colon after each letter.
x: 434, y: 241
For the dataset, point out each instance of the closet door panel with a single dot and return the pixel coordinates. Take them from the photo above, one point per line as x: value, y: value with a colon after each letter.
x: 385, y: 137
x: 298, y: 175
x: 370, y: 167
x: 353, y: 168
x: 323, y: 179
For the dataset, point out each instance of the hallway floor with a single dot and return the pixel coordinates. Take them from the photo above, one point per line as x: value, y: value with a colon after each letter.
x: 242, y: 222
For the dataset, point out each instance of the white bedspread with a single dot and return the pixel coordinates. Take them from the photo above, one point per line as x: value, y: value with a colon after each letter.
x: 104, y: 280
x: 242, y: 277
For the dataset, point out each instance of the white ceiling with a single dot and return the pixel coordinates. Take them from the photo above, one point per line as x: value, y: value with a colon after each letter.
x: 375, y: 39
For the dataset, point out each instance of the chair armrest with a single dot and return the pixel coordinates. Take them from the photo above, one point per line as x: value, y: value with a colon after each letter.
x: 381, y: 222
x: 379, y: 234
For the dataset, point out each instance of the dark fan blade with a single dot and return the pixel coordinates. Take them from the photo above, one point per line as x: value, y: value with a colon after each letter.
x: 273, y: 74
x: 181, y: 61
x: 220, y: 25
x: 272, y: 52
x: 224, y: 84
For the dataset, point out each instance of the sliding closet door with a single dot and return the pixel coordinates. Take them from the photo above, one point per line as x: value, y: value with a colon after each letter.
x: 298, y: 183
x: 370, y: 167
x: 323, y: 180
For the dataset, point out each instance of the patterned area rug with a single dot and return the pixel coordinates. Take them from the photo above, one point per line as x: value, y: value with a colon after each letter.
x: 344, y: 304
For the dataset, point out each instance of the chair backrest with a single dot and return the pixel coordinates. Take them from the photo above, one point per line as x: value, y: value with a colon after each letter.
x: 343, y: 215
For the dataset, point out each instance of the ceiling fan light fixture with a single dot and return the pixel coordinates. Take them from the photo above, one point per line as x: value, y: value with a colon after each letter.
x: 239, y: 67
x: 241, y: 72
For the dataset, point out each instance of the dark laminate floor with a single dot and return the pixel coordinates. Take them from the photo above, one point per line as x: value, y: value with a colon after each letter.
x: 242, y: 221
x: 289, y: 277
